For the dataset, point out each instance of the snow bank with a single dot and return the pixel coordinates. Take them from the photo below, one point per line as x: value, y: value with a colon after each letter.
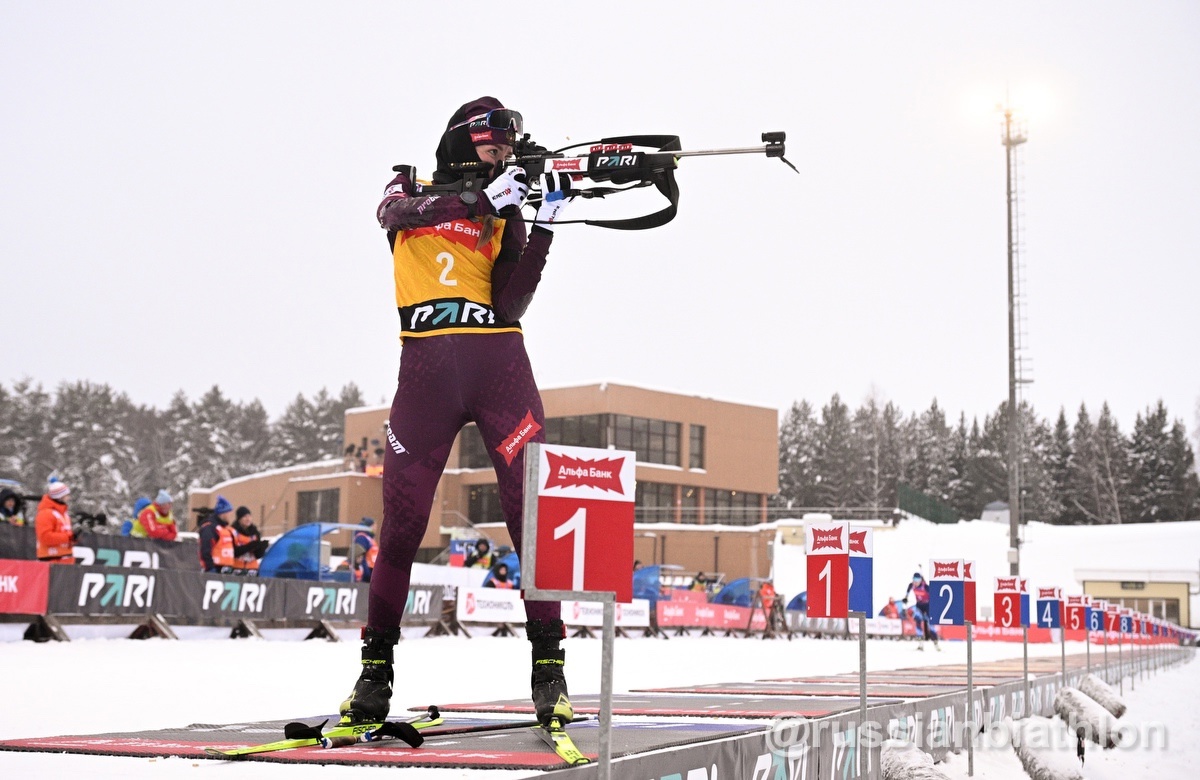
x: 1084, y: 716
x: 1042, y: 745
x: 901, y: 760
x: 1103, y: 694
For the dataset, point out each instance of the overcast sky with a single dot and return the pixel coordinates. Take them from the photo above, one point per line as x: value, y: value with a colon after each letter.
x: 187, y: 194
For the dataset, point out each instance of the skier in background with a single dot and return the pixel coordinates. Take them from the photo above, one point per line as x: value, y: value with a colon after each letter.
x: 465, y: 271
x: 919, y: 589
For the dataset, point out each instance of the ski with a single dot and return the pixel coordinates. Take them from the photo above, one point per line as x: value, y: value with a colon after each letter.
x: 555, y: 735
x: 298, y: 735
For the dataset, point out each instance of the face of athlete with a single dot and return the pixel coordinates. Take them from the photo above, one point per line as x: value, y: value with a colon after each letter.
x: 494, y: 154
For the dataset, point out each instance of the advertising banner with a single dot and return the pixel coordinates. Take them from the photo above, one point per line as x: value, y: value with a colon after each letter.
x: 24, y: 587
x: 93, y: 549
x: 193, y: 597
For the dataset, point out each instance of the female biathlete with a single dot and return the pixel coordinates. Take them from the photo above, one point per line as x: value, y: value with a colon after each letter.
x: 464, y: 275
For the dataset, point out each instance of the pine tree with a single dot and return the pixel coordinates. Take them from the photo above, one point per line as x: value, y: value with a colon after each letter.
x: 874, y: 473
x: 1184, y: 503
x: 26, y: 451
x: 929, y: 470
x: 835, y: 466
x: 1061, y: 458
x: 1112, y: 463
x: 1151, y: 481
x: 797, y: 456
x: 95, y: 451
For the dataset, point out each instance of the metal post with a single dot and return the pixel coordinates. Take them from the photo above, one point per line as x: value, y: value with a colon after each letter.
x: 1011, y: 140
x: 1087, y: 641
x: 606, y: 690
x: 971, y: 729
x: 1025, y: 678
x: 1062, y: 633
x: 1120, y: 661
x: 862, y: 691
x: 1107, y: 678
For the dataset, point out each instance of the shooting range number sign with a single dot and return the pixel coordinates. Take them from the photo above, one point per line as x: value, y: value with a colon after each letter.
x: 1076, y: 612
x: 827, y: 553
x: 1049, y: 607
x: 585, y: 503
x: 1008, y: 602
x: 947, y: 605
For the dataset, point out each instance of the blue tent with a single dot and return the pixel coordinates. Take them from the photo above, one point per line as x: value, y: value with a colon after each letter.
x: 645, y: 584
x: 737, y: 593
x: 799, y: 602
x: 297, y: 554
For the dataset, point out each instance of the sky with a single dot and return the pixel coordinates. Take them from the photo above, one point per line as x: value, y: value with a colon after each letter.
x: 187, y: 194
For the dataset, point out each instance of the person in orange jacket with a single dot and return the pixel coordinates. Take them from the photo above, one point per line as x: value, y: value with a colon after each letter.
x: 248, y: 545
x: 55, y: 536
x: 156, y: 520
x: 216, y: 539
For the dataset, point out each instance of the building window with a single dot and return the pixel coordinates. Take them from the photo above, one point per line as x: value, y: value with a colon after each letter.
x: 655, y: 502
x: 695, y: 446
x: 585, y: 430
x: 483, y: 504
x: 732, y: 507
x: 472, y: 452
x: 654, y: 441
x: 317, y: 506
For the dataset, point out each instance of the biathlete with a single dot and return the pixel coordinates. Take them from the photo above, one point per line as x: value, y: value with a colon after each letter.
x: 919, y: 589
x: 465, y: 272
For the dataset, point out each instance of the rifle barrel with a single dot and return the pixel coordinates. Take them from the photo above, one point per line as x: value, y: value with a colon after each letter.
x: 737, y: 150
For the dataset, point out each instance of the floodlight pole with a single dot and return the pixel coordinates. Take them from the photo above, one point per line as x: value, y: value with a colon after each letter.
x: 1011, y: 141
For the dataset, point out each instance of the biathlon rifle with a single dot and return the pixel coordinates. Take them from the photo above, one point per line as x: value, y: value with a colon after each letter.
x: 622, y: 163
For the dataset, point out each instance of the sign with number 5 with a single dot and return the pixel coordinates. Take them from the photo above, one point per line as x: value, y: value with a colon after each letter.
x: 582, y: 510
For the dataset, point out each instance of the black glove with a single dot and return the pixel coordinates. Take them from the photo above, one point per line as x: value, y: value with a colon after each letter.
x: 77, y: 531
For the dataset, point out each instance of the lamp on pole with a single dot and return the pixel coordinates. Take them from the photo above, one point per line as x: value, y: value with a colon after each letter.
x: 1012, y: 138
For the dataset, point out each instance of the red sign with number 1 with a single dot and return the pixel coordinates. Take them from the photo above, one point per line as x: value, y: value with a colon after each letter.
x: 585, y: 508
x: 827, y: 547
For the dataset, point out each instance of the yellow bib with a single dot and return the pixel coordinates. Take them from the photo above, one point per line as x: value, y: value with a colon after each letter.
x: 444, y: 279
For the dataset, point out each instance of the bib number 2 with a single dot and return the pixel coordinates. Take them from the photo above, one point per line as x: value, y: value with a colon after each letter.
x: 446, y: 259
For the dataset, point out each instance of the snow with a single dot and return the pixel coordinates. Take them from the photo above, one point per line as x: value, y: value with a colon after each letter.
x: 123, y: 685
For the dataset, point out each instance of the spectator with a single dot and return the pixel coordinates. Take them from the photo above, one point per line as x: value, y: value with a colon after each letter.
x: 248, y: 544
x: 216, y: 539
x: 156, y: 520
x: 349, y: 462
x: 890, y: 610
x: 364, y: 538
x: 919, y: 588
x: 11, y: 507
x: 499, y: 578
x: 138, y: 506
x: 55, y: 536
x: 375, y: 464
x: 481, y: 556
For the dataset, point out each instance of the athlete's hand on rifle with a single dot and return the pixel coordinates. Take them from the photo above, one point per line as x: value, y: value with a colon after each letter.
x: 509, y: 189
x: 556, y: 188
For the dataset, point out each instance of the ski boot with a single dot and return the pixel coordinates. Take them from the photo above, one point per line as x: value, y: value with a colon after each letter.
x: 547, y: 682
x: 371, y: 698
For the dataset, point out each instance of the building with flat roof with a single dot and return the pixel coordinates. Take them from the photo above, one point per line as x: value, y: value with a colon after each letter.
x: 700, y: 461
x: 1161, y: 593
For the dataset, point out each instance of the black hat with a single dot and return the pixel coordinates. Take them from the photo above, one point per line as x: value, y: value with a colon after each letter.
x: 458, y: 144
x: 241, y: 512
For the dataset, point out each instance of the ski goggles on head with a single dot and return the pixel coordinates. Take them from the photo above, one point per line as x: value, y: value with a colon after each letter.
x: 496, y: 119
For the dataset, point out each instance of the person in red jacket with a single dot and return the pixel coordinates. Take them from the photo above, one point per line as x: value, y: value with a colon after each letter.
x: 55, y: 537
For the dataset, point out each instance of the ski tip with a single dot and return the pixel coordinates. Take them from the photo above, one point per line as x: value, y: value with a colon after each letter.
x: 224, y: 754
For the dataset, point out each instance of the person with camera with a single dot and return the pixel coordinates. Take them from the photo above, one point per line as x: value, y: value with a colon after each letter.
x: 156, y: 520
x: 465, y: 269
x: 55, y: 534
x: 216, y: 539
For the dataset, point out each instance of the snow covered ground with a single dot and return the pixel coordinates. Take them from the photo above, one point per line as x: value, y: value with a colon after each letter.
x: 125, y: 685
